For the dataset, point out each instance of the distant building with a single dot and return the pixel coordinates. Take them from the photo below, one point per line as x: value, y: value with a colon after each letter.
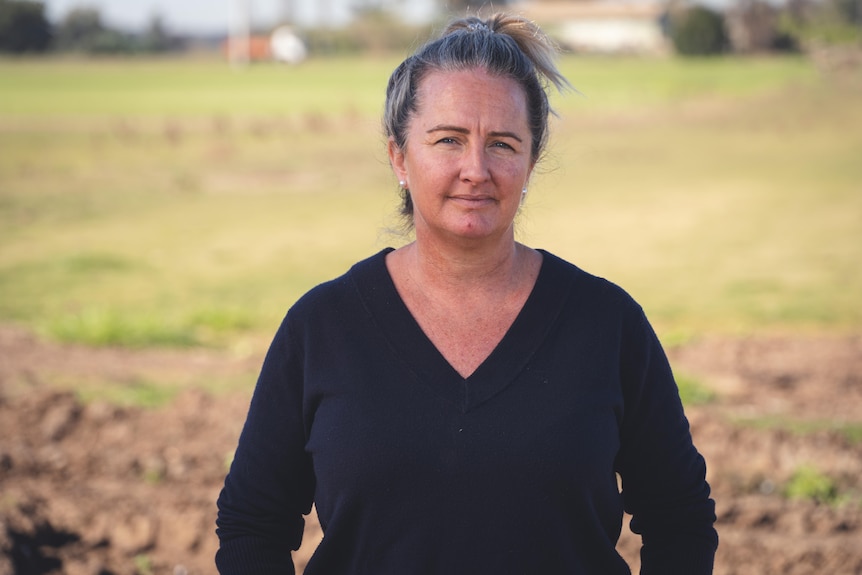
x: 286, y: 46
x: 620, y: 18
x: 339, y: 13
x: 602, y: 26
x: 255, y: 49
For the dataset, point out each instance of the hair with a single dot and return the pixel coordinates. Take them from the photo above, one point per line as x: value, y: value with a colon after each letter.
x: 503, y: 45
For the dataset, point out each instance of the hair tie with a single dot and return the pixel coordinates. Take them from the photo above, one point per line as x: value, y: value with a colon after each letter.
x: 478, y: 27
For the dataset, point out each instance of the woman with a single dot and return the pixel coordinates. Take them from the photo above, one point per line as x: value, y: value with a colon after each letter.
x: 464, y: 404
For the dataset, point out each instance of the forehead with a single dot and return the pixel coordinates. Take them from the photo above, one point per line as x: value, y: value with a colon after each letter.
x: 471, y: 94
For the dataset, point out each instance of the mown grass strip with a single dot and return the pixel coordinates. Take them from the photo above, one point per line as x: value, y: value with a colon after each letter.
x: 137, y: 393
x: 851, y: 431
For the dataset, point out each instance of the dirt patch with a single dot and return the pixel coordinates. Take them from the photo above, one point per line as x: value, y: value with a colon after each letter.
x: 97, y: 489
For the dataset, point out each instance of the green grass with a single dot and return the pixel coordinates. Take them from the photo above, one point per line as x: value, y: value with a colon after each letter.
x: 151, y: 387
x: 122, y: 327
x: 205, y: 87
x: 731, y: 214
x: 143, y: 564
x: 809, y: 483
x: 189, y: 87
x: 160, y: 202
x: 693, y: 392
x: 630, y: 83
x: 100, y: 327
x: 851, y: 431
x: 140, y: 393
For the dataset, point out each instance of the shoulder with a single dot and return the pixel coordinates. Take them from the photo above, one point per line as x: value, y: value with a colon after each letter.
x: 596, y: 306
x: 333, y: 296
x: 587, y: 288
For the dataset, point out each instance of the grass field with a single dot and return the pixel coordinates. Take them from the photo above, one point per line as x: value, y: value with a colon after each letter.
x: 162, y: 202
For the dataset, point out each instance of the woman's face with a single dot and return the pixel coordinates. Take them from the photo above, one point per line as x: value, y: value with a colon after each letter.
x: 467, y: 157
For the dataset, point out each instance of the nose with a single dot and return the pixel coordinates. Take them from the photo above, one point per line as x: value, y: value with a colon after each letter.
x: 474, y: 165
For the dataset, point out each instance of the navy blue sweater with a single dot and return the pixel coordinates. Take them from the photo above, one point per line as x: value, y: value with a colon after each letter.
x: 415, y: 470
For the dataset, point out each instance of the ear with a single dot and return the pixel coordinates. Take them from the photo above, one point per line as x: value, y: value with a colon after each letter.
x: 396, y: 160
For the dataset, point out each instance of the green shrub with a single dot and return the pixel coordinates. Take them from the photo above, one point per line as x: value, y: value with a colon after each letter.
x: 693, y: 392
x: 807, y: 482
x: 698, y: 31
x: 23, y: 27
x: 824, y: 23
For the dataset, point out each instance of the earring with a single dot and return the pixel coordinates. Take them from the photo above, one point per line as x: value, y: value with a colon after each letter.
x: 402, y: 183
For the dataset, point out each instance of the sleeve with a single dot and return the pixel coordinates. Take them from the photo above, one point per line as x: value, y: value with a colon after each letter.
x: 270, y: 485
x: 663, y: 475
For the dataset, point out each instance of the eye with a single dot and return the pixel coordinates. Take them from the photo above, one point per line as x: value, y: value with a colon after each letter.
x: 502, y: 146
x: 447, y: 140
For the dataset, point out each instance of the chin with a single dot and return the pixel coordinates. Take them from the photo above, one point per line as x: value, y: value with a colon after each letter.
x: 477, y: 231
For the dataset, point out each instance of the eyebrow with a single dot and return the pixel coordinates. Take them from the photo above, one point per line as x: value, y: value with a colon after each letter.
x: 460, y: 130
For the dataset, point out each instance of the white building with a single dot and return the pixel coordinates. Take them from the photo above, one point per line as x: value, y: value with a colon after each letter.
x: 338, y: 13
x: 603, y: 26
x: 609, y: 26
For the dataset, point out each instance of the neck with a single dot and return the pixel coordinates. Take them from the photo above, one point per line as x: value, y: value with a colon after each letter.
x: 448, y: 267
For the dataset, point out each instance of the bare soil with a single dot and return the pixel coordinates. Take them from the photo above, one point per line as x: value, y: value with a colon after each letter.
x: 98, y: 489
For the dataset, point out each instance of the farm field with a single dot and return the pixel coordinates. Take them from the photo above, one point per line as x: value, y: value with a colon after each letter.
x: 158, y: 217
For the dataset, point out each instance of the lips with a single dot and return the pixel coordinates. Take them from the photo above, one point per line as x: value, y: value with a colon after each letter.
x: 473, y: 200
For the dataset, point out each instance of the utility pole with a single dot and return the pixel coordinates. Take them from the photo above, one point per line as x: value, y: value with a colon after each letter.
x: 325, y: 7
x: 240, y: 30
x: 289, y: 15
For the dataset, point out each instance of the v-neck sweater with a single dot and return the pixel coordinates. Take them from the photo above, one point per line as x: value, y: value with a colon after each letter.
x: 414, y: 469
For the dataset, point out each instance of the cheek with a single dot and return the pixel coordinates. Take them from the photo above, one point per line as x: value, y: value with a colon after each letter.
x: 431, y: 167
x: 513, y: 173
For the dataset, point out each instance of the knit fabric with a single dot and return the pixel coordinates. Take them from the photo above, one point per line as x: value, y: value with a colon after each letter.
x: 416, y: 470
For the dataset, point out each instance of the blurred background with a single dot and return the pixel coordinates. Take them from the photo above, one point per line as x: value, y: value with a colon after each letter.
x: 174, y: 174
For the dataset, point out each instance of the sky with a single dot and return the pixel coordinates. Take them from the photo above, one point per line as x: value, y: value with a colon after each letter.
x: 214, y: 16
x: 179, y: 16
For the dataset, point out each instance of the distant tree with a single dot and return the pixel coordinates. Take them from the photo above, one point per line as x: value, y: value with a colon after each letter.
x: 752, y: 26
x: 82, y: 30
x: 698, y: 31
x: 113, y: 42
x: 823, y: 22
x: 850, y: 11
x: 156, y: 37
x: 23, y: 27
x: 79, y: 28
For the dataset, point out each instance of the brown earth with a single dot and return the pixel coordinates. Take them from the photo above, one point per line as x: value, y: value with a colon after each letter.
x: 98, y: 489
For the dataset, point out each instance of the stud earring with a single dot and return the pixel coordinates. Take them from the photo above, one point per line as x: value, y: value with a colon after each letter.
x: 402, y: 183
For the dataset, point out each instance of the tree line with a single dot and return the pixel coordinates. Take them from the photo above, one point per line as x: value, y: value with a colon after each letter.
x: 750, y: 26
x: 25, y: 29
x: 746, y: 26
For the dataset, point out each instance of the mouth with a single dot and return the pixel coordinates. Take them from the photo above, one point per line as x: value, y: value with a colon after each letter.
x: 473, y: 201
